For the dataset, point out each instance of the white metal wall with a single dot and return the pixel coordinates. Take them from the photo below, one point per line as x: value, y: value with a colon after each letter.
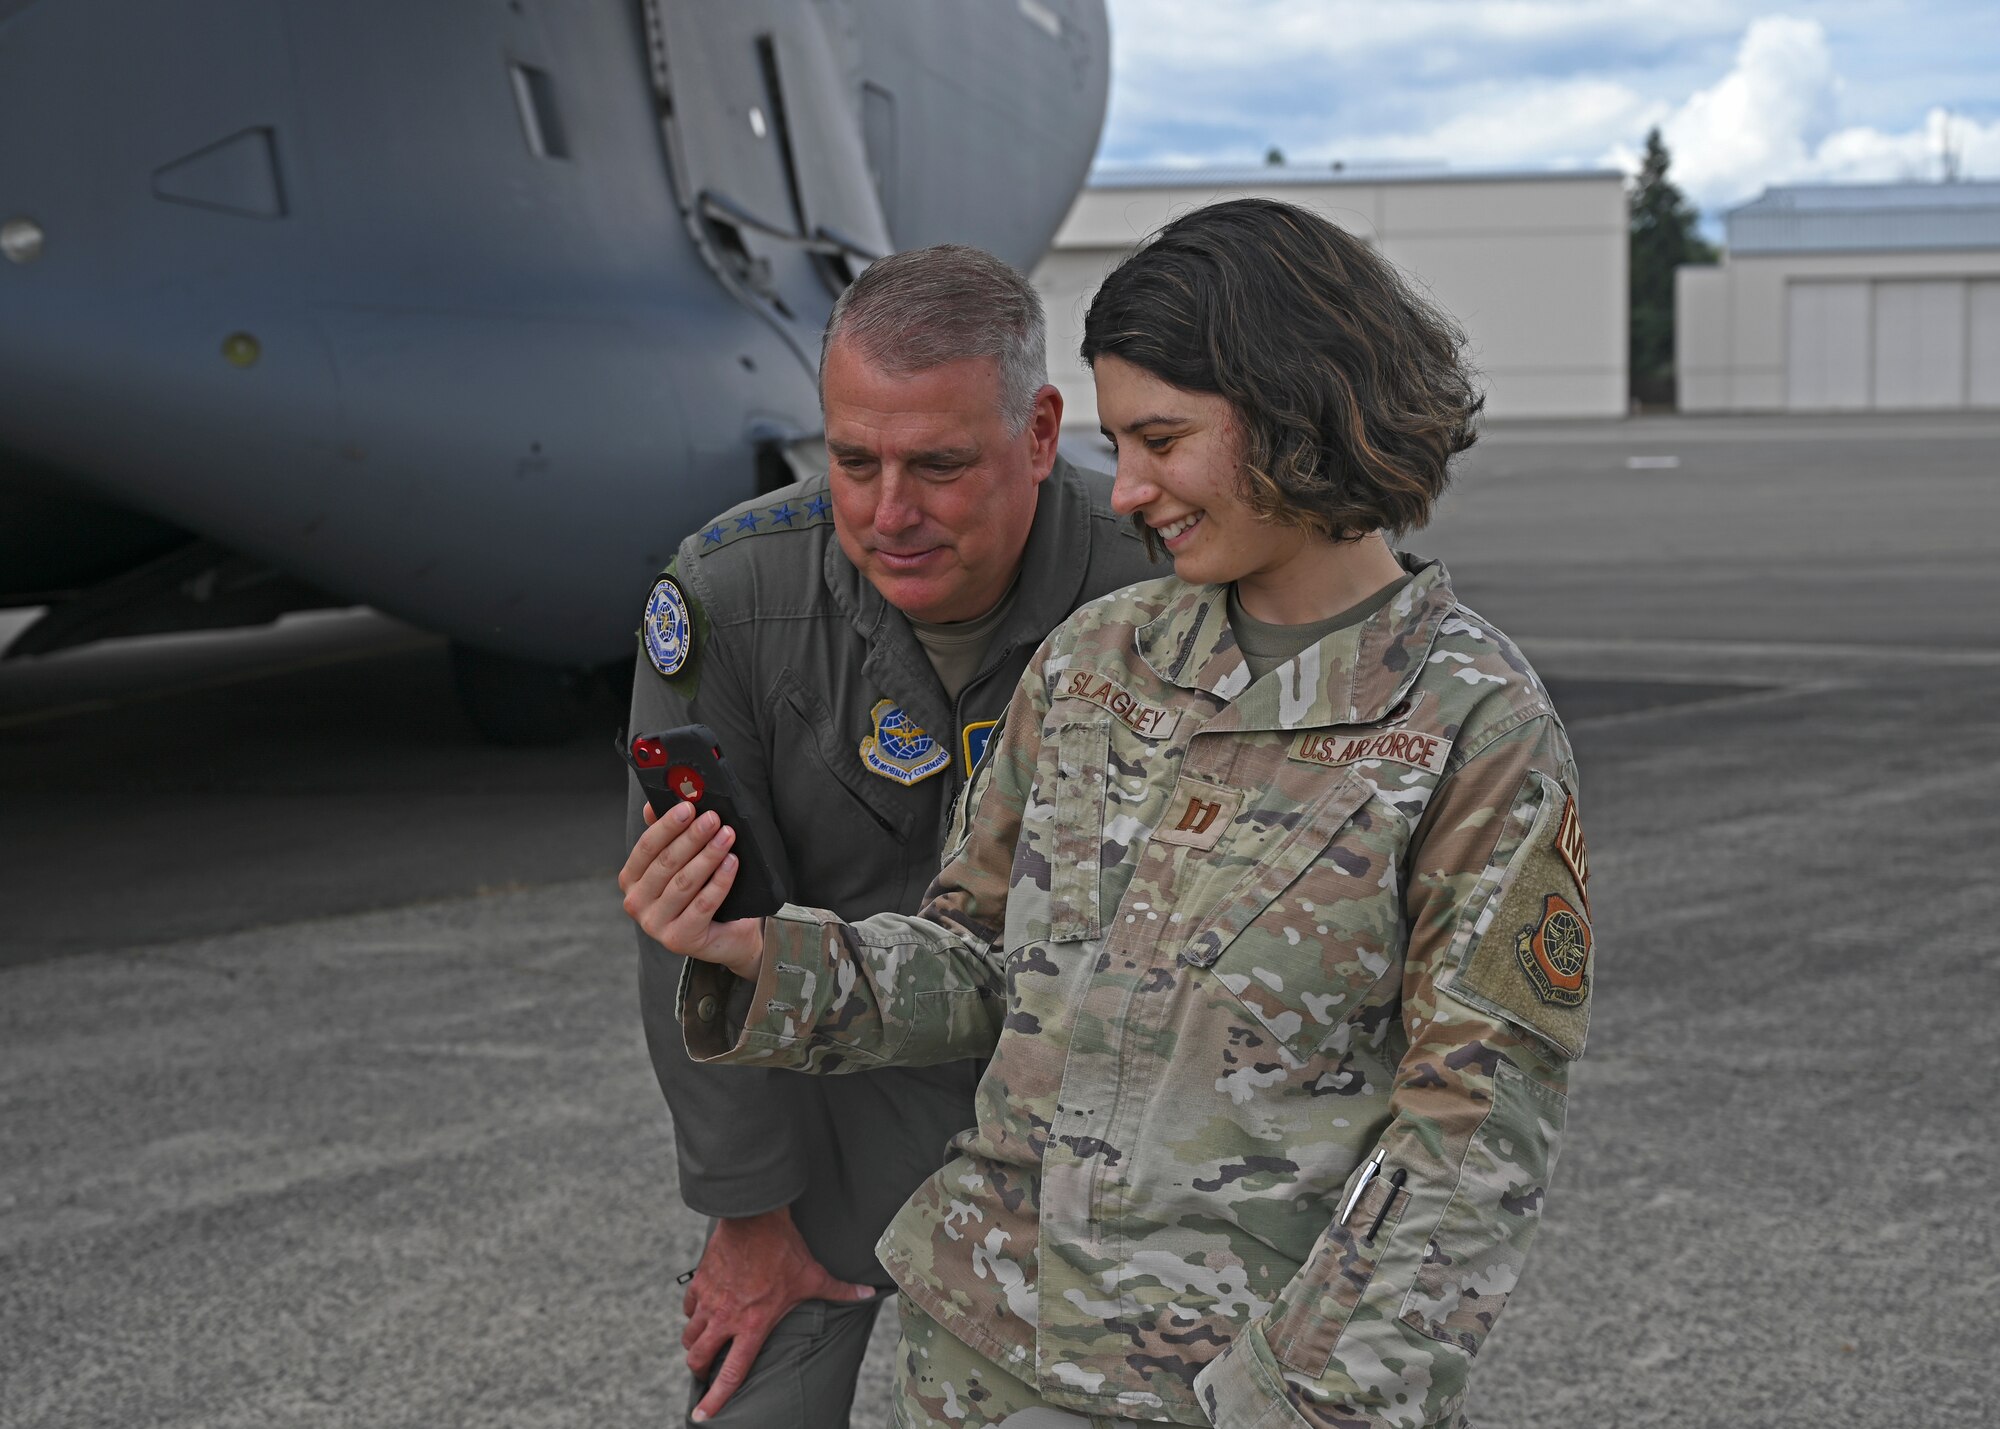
x: 1982, y: 346
x: 1826, y: 346
x: 1919, y: 344
x: 1534, y: 268
x: 1895, y: 345
x: 1840, y: 332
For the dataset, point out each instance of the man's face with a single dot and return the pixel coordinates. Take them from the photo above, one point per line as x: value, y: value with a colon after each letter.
x: 933, y: 495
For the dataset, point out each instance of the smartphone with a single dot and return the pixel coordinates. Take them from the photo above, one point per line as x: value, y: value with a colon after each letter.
x: 685, y: 765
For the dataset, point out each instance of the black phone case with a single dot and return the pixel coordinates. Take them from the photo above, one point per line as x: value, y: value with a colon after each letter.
x: 689, y: 768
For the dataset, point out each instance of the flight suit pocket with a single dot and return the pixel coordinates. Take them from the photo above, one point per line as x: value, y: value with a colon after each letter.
x: 1295, y: 963
x: 1076, y: 835
x: 805, y: 722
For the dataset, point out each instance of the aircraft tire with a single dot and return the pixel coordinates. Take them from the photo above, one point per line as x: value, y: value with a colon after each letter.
x: 516, y: 702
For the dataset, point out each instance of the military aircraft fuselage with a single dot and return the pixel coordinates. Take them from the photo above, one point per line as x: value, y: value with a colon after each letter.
x: 468, y: 310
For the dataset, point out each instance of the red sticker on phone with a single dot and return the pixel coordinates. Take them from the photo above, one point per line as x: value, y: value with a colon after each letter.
x: 684, y: 782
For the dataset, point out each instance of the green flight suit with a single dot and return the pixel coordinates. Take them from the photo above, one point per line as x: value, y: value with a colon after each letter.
x: 832, y: 719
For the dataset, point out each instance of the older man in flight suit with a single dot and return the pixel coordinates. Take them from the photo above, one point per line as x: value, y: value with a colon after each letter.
x: 852, y: 641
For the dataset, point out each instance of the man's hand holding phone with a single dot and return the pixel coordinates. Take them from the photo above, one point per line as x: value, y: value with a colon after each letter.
x: 678, y: 873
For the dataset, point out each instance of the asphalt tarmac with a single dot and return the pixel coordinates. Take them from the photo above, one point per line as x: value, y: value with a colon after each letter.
x: 323, y: 1099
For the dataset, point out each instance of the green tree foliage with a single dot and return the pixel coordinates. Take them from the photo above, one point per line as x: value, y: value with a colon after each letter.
x: 1663, y: 238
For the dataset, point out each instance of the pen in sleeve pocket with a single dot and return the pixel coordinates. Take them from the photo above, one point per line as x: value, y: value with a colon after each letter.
x: 1360, y: 1185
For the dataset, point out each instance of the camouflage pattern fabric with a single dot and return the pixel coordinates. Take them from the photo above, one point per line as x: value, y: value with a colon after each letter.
x: 942, y: 1383
x: 1229, y: 939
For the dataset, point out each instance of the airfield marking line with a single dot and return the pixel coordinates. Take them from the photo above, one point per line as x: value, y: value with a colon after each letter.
x: 1638, y: 865
x: 1750, y: 681
x: 1757, y: 649
x: 218, y: 682
x: 1613, y: 434
x: 1759, y: 696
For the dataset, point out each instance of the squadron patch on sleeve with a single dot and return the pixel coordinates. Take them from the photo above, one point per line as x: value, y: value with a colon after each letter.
x: 1531, y: 957
x: 667, y: 630
x: 898, y: 750
x: 1555, y: 953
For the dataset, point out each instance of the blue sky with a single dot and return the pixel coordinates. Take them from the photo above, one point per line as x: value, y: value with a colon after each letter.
x: 1747, y: 95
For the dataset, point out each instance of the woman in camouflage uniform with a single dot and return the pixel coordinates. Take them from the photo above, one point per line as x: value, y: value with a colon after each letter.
x: 1268, y: 903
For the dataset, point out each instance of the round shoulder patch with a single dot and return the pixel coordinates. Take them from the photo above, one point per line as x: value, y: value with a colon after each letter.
x: 668, y: 633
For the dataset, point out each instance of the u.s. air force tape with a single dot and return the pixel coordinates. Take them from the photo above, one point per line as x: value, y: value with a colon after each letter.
x: 667, y: 630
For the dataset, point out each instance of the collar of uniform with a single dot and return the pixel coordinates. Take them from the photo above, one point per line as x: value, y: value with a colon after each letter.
x: 1354, y: 676
x: 1191, y: 645
x: 1053, y: 565
x: 1396, y: 640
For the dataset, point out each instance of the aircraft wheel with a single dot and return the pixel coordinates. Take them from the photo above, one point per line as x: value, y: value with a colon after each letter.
x: 519, y: 702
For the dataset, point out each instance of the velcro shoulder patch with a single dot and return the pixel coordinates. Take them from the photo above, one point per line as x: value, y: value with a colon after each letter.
x: 668, y: 627
x: 1153, y: 721
x: 1533, y: 952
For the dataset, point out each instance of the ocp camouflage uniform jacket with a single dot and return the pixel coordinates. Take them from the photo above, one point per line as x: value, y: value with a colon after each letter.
x: 1228, y: 939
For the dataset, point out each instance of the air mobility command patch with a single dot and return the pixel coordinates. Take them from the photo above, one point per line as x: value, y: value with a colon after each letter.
x: 898, y: 750
x: 1531, y: 958
x: 1555, y: 952
x: 668, y: 629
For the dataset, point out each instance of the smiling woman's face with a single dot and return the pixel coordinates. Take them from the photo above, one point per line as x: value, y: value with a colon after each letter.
x: 1180, y: 455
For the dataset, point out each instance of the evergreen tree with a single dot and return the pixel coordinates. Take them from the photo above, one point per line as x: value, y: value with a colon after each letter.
x: 1663, y: 238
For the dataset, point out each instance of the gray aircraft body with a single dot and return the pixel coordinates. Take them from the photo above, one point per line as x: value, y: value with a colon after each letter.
x: 465, y: 309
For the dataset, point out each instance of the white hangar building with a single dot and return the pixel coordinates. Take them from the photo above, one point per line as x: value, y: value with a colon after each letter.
x: 1532, y: 265
x: 1847, y: 297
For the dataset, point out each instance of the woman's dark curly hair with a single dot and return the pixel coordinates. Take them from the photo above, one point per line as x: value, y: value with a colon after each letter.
x: 1352, y: 393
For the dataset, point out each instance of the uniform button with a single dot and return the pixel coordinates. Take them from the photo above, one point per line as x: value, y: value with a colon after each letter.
x: 706, y: 1008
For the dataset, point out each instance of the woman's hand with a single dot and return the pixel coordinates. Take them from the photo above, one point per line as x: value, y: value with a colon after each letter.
x: 678, y: 874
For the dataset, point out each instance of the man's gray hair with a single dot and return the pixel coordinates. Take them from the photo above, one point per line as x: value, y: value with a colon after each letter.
x: 914, y: 311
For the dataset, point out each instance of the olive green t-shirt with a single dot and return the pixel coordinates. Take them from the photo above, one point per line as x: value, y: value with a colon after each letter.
x: 1265, y: 646
x: 956, y: 649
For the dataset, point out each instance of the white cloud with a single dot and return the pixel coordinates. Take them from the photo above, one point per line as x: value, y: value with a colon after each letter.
x: 1745, y: 97
x: 1857, y: 154
x: 1759, y: 123
x: 1519, y: 123
x: 1770, y: 120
